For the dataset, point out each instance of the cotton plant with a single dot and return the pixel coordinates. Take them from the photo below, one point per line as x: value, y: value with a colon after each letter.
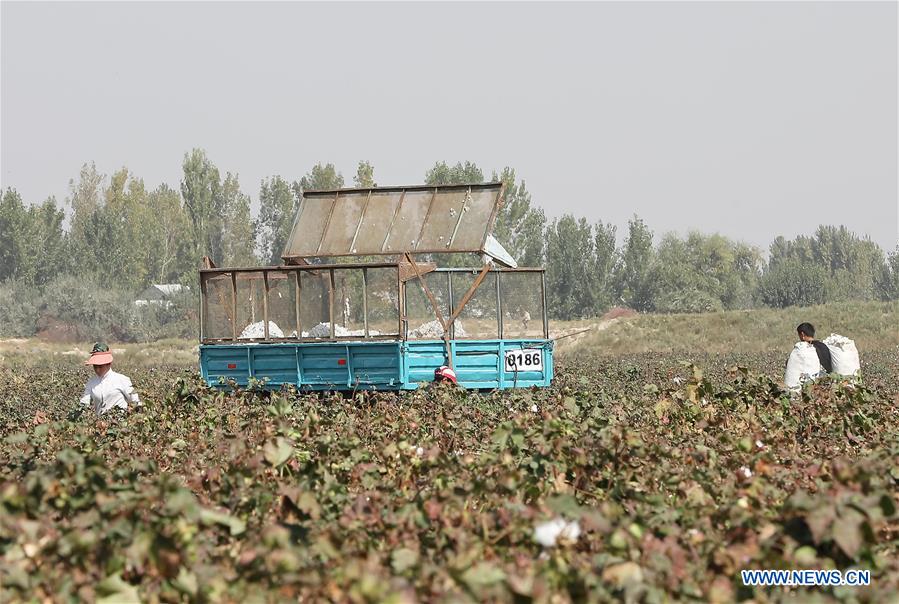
x: 557, y: 531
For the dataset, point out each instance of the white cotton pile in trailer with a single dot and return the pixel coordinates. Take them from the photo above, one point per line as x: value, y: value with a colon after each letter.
x: 843, y: 354
x: 256, y: 331
x: 323, y: 330
x: 803, y: 365
x: 433, y: 331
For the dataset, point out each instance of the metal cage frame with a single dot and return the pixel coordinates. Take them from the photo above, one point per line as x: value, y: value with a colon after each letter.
x: 207, y: 274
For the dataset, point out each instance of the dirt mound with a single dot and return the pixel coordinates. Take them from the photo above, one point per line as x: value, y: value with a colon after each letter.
x: 51, y: 329
x: 618, y: 312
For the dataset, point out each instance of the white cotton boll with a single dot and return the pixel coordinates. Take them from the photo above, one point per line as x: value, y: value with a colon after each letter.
x: 677, y: 380
x: 419, y: 451
x: 534, y: 408
x: 548, y: 533
x: 746, y: 472
x: 836, y: 339
x: 759, y: 444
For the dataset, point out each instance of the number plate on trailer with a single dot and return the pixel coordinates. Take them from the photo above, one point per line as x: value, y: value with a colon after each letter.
x: 527, y: 359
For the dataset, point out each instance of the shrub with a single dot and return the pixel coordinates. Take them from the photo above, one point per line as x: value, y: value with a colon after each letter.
x: 793, y: 283
x: 96, y: 312
x: 692, y: 301
x: 178, y: 319
x: 18, y: 309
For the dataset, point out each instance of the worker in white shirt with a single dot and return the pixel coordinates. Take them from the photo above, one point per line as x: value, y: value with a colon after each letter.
x: 107, y: 389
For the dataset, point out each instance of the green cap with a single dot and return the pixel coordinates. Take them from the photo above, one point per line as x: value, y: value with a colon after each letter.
x: 100, y: 347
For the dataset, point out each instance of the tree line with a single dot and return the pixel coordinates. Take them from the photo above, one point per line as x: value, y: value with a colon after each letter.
x: 122, y: 236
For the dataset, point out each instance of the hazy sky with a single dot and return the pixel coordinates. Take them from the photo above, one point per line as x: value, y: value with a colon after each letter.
x: 750, y: 119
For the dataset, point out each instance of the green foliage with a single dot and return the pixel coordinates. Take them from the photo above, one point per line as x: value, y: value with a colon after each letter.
x: 85, y: 198
x: 519, y: 226
x: 125, y: 237
x: 201, y: 192
x: 634, y: 284
x: 320, y: 178
x: 239, y: 232
x: 793, y: 282
x: 605, y: 257
x: 277, y: 207
x: 683, y: 300
x: 96, y: 313
x: 19, y: 309
x: 166, y: 249
x: 175, y: 318
x: 677, y: 477
x: 888, y: 281
x: 365, y: 176
x: 443, y: 174
x: 571, y: 285
x: 703, y: 273
x: 847, y: 267
x: 32, y: 245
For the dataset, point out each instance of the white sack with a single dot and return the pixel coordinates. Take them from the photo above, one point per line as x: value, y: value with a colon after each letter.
x: 843, y: 354
x: 802, y: 366
x: 256, y: 331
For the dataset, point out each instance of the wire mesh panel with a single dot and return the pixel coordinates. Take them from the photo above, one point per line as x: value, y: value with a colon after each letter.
x: 349, y: 305
x: 282, y: 307
x: 445, y: 211
x: 364, y: 301
x: 379, y: 215
x: 479, y: 207
x: 444, y: 218
x: 343, y: 222
x: 218, y: 306
x: 251, y: 307
x: 407, y: 224
x: 478, y: 319
x: 382, y: 301
x: 521, y: 299
x: 315, y: 318
x: 422, y: 322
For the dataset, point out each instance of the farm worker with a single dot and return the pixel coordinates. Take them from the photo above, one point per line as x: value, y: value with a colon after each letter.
x: 806, y: 333
x: 445, y: 374
x: 107, y: 389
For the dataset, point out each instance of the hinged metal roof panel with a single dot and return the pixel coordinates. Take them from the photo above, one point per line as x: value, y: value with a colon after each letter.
x: 394, y: 220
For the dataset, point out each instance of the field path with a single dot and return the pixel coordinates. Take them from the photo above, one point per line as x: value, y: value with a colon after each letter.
x: 570, y: 338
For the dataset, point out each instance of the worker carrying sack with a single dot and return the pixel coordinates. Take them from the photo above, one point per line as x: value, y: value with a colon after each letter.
x: 843, y: 354
x: 802, y: 366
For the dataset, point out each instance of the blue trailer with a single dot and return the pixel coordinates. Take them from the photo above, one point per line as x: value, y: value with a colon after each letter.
x: 325, y: 325
x: 360, y: 365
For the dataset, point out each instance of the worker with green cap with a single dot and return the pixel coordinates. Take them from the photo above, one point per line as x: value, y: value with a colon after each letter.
x: 107, y: 389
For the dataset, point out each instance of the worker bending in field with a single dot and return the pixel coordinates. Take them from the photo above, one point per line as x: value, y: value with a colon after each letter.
x: 107, y: 389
